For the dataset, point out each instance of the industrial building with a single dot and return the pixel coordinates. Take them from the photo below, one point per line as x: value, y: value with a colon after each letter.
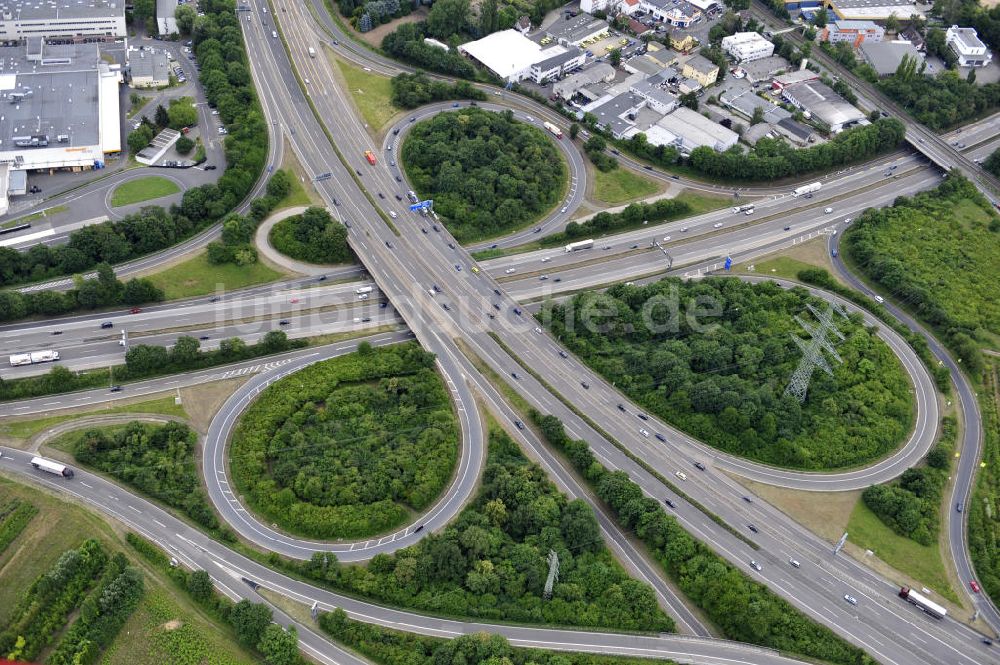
x: 873, y: 10
x: 758, y: 71
x: 513, y: 57
x: 148, y: 69
x: 855, y: 32
x: 820, y: 103
x: 885, y: 57
x: 658, y: 99
x: 965, y: 43
x: 61, y: 110
x: 746, y: 46
x: 575, y: 30
x: 75, y: 20
x: 686, y: 130
x: 701, y: 69
x: 678, y: 13
x: 600, y: 72
x: 166, y: 24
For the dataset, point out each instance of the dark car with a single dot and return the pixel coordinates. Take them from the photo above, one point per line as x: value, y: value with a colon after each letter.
x: 446, y: 307
x: 398, y: 179
x: 395, y: 132
x: 621, y: 407
x: 56, y: 332
x: 496, y: 291
x: 517, y: 310
x: 381, y: 195
x: 514, y: 374
x: 670, y: 503
x: 451, y: 245
x: 107, y: 324
x: 116, y: 389
x: 642, y: 416
x: 586, y: 386
x: 211, y: 167
x: 699, y: 466
x: 660, y: 438
x: 748, y: 499
x: 321, y: 278
x: 284, y: 322
x: 398, y: 197
x: 752, y: 528
x: 648, y: 168
x: 366, y: 319
x: 788, y: 228
x: 413, y: 119
x: 435, y: 227
x: 419, y: 529
x: 519, y: 424
x: 676, y: 177
x: 496, y: 306
x: 563, y: 354
x: 358, y: 171
x: 388, y: 244
x: 203, y: 337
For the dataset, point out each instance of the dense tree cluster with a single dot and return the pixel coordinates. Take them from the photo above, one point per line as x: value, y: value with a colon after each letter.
x: 104, y: 290
x: 940, y: 101
x: 389, y: 647
x: 631, y: 217
x: 406, y: 43
x: 744, y: 610
x: 412, y: 90
x: 490, y: 564
x: 983, y: 530
x: 992, y: 163
x: 721, y: 376
x: 594, y: 147
x: 236, y: 245
x: 931, y: 252
x: 158, y: 460
x: 912, y: 507
x: 486, y: 172
x: 226, y: 79
x: 14, y: 517
x: 348, y: 447
x: 314, y: 236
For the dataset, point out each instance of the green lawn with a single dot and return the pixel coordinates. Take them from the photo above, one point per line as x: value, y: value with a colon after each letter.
x: 142, y: 189
x: 907, y: 556
x: 371, y: 93
x: 23, y: 429
x: 622, y: 185
x: 196, y: 277
x: 781, y: 266
x: 702, y: 202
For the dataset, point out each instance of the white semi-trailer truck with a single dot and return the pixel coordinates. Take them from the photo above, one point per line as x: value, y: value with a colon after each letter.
x: 33, y: 358
x: 807, y: 189
x: 55, y: 468
x: 579, y: 244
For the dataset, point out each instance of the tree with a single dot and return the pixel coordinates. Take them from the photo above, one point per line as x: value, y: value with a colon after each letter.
x: 574, y: 130
x: 142, y: 10
x: 279, y: 185
x: 489, y: 18
x: 184, y: 145
x: 280, y: 646
x: 891, y: 23
x: 185, y: 15
x: 758, y: 115
x: 182, y: 113
x: 200, y: 586
x: 615, y: 57
x: 821, y: 17
x: 690, y: 100
x: 185, y: 350
x: 145, y: 359
x: 249, y: 621
x: 448, y: 18
x: 139, y: 138
x: 160, y: 117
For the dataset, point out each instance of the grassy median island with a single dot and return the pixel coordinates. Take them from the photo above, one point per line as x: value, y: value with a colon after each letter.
x: 622, y: 185
x: 487, y: 173
x: 489, y: 563
x: 198, y: 276
x: 349, y: 447
x: 723, y: 381
x: 313, y: 237
x: 142, y: 189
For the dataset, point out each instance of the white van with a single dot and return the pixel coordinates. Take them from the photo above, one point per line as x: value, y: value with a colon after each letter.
x: 274, y: 33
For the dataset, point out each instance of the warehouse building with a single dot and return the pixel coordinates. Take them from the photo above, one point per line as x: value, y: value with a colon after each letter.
x: 747, y: 46
x: 600, y: 72
x: 689, y: 130
x: 965, y: 43
x: 166, y: 24
x: 75, y: 20
x: 148, y: 69
x: 513, y: 57
x: 885, y: 57
x: 575, y: 30
x: 61, y: 110
x: 819, y: 102
x: 873, y: 10
x: 855, y: 32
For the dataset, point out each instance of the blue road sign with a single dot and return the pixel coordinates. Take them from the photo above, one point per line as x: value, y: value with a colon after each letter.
x: 729, y: 262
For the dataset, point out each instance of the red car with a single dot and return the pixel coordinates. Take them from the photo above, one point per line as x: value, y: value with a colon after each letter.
x: 974, y: 586
x: 135, y: 310
x: 293, y: 300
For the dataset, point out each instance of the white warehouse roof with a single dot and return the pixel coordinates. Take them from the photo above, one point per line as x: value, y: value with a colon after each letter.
x: 506, y: 53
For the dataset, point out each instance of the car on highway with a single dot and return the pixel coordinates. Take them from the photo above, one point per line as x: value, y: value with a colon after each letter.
x: 851, y: 599
x: 496, y: 306
x: 211, y: 167
x: 648, y: 168
x: 753, y: 528
x: 586, y: 386
x: 398, y: 197
x: 392, y: 213
x: 116, y: 389
x: 828, y: 210
x: 446, y: 307
x: 388, y: 244
x: 135, y: 310
x: 879, y: 299
x: 542, y: 278
x: 517, y: 310
x: 794, y: 564
x: 435, y: 227
x: 666, y: 238
x: 539, y: 331
x: 399, y: 179
x: 381, y: 195
x: 644, y: 432
x: 284, y: 322
x: 497, y: 291
x: 717, y: 225
x: 621, y: 407
x: 107, y: 324
x: 203, y: 337
x: 458, y: 267
x: 419, y: 529
x: 699, y: 466
x: 670, y: 503
x: 974, y: 586
x: 508, y: 271
x: 546, y: 259
x: 788, y: 228
x: 451, y: 245
x: 660, y: 438
x: 748, y: 212
x: 755, y: 566
x: 563, y: 209
x: 987, y: 641
x: 642, y: 416
x: 833, y: 252
x: 681, y: 475
x: 519, y: 424
x: 958, y: 507
x: 748, y: 499
x: 514, y: 374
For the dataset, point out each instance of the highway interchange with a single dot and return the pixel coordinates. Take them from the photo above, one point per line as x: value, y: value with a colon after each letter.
x: 889, y: 629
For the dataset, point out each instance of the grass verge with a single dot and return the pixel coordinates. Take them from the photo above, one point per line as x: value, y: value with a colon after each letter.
x: 24, y: 429
x: 622, y: 185
x: 142, y: 189
x: 198, y: 277
x: 372, y: 93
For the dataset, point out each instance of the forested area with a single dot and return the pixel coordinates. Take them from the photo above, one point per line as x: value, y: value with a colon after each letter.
x: 722, y: 378
x: 144, y: 360
x: 931, y: 252
x: 412, y: 90
x: 940, y: 101
x: 349, y: 447
x: 912, y: 506
x: 992, y: 163
x: 631, y: 217
x: 489, y: 564
x: 225, y: 76
x: 314, y: 236
x: 406, y: 43
x: 744, y: 610
x: 486, y: 172
x: 390, y: 647
x: 158, y: 460
x: 236, y: 245
x: 252, y: 623
x: 99, y: 591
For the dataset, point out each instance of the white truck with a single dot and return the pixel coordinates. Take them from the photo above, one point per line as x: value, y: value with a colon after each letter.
x: 34, y: 357
x: 312, y: 52
x: 363, y: 289
x: 579, y: 244
x: 807, y: 189
x: 923, y: 602
x: 743, y: 208
x: 55, y: 468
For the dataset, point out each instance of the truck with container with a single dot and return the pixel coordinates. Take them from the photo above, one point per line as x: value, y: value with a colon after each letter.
x: 312, y: 52
x: 807, y: 189
x: 54, y: 468
x: 370, y: 156
x: 33, y: 358
x: 923, y: 602
x: 738, y: 209
x: 555, y: 131
x: 579, y: 244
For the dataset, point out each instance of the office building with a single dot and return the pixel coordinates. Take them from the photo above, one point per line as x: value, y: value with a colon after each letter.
x: 73, y: 20
x: 885, y: 57
x: 148, y: 69
x: 854, y: 32
x: 701, y: 69
x: 965, y: 43
x: 745, y: 46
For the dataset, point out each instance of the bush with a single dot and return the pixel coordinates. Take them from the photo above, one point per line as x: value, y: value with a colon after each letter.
x: 412, y: 90
x: 348, y: 447
x: 314, y: 236
x: 184, y: 145
x: 486, y: 172
x: 631, y: 217
x: 722, y: 378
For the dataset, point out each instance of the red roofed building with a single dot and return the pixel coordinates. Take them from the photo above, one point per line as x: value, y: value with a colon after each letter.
x: 636, y: 27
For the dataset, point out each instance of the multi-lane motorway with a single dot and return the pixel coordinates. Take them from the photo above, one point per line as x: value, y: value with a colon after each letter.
x: 405, y: 266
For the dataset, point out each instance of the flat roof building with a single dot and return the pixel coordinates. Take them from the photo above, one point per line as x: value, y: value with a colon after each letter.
x: 763, y: 69
x: 855, y: 32
x: 965, y: 43
x: 78, y: 20
x: 166, y: 24
x: 821, y: 103
x: 600, y: 72
x: 747, y: 46
x: 678, y: 13
x: 692, y: 130
x: 148, y: 69
x: 874, y: 10
x: 576, y: 29
x: 658, y: 99
x: 701, y: 69
x: 885, y: 57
